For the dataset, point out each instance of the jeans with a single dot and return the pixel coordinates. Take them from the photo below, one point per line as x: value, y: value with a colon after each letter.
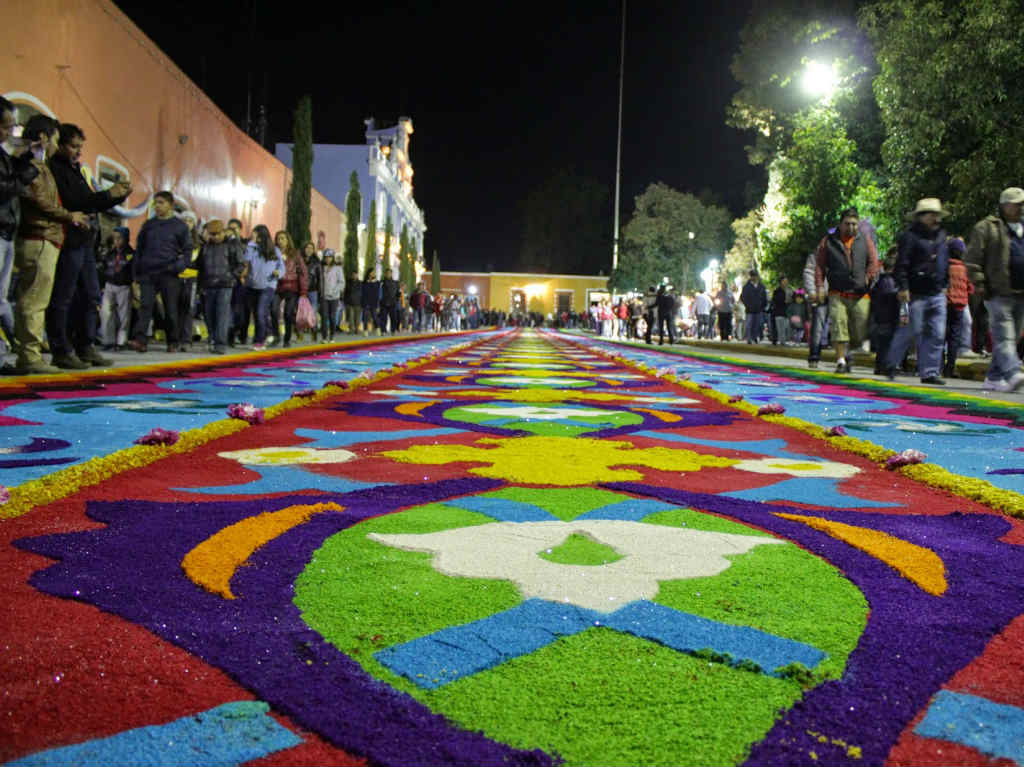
x: 290, y: 302
x: 217, y: 311
x: 755, y: 327
x: 928, y: 324
x: 329, y: 317
x: 1006, y: 318
x: 258, y: 305
x: 74, y: 301
x: 704, y: 326
x: 782, y: 330
x: 420, y: 323
x: 819, y: 326
x: 725, y: 325
x: 115, y: 311
x: 954, y: 323
x: 169, y: 287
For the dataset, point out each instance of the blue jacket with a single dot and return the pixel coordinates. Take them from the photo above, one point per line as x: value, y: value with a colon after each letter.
x: 163, y: 245
x: 261, y: 270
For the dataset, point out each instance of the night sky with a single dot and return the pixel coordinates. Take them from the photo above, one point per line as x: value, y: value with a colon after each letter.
x: 501, y: 97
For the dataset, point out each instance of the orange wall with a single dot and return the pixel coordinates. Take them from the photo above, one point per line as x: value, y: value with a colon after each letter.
x: 460, y: 282
x: 89, y: 65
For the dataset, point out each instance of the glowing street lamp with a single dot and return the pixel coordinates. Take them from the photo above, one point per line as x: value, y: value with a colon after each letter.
x: 820, y: 80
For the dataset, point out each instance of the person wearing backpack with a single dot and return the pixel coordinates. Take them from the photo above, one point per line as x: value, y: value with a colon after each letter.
x: 995, y: 265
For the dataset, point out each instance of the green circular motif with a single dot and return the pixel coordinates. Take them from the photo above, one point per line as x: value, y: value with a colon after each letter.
x: 520, y: 382
x: 555, y: 420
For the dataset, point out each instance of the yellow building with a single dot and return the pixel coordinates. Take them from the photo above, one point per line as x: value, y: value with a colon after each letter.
x: 513, y: 292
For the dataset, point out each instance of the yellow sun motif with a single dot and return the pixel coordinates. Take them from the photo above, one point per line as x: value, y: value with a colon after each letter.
x: 563, y: 461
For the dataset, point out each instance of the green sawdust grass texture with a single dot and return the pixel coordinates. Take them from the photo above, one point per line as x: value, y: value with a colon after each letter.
x: 783, y: 590
x: 579, y: 549
x: 600, y: 697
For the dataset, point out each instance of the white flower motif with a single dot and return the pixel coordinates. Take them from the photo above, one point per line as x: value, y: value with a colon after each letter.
x: 287, y: 456
x: 540, y: 413
x: 509, y: 551
x: 797, y: 467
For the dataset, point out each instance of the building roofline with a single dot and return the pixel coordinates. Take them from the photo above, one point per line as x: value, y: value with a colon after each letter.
x: 527, y: 274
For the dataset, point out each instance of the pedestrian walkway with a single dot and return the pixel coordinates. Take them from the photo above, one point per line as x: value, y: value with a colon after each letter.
x: 531, y: 549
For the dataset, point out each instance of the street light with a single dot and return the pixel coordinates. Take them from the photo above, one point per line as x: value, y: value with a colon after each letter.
x: 820, y: 80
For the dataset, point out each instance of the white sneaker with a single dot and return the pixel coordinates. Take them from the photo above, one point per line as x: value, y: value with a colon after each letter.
x: 997, y: 385
x: 1016, y: 381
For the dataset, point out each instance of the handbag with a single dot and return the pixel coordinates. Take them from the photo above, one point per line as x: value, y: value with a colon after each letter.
x: 305, y: 317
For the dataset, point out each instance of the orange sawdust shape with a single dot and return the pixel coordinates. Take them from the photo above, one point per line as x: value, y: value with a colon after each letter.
x: 917, y: 564
x: 213, y: 562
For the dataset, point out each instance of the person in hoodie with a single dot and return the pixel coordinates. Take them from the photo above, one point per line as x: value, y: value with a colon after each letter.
x: 265, y: 266
x: 116, y: 302
x: 314, y: 278
x: 885, y: 312
x: 353, y: 299
x: 163, y: 248
x: 957, y: 298
x: 390, y: 303
x: 219, y: 267
x: 922, y: 275
x: 333, y: 282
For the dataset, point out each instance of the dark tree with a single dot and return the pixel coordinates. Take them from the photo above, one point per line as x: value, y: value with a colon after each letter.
x: 568, y: 226
x: 435, y: 275
x: 353, y: 209
x: 301, y: 189
x: 370, y: 253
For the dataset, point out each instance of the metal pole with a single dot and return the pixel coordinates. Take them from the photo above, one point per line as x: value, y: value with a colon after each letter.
x: 618, y: 151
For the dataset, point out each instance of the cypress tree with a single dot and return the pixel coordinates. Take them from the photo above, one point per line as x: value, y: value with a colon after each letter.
x: 403, y: 261
x: 410, y: 262
x: 353, y: 207
x: 388, y: 231
x: 301, y: 189
x: 370, y: 254
x: 435, y: 276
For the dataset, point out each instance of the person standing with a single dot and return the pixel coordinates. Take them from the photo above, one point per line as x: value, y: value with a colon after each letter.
x: 702, y: 308
x: 265, y: 266
x: 995, y: 265
x: 666, y: 314
x: 650, y: 308
x: 725, y: 301
x: 886, y: 316
x: 922, y: 276
x: 333, y: 282
x: 389, y: 303
x: 41, y: 231
x: 72, y: 319
x: 292, y: 284
x: 818, y: 313
x: 116, y: 303
x: 755, y: 300
x: 16, y: 174
x: 370, y: 298
x: 219, y: 267
x: 847, y: 262
x: 314, y: 278
x: 353, y: 294
x: 163, y: 249
x: 957, y: 298
x: 239, y: 315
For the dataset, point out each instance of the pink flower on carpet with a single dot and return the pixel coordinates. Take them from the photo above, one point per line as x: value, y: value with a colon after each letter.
x: 5, y: 495
x: 836, y: 431
x: 338, y: 383
x: 158, y: 436
x: 703, y: 386
x: 245, y: 411
x: 669, y: 371
x: 303, y: 392
x: 905, y: 458
x: 772, y: 409
x: 736, y: 398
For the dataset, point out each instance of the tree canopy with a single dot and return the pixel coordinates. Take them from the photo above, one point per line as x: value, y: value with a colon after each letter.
x: 657, y: 240
x: 569, y: 215
x: 949, y: 90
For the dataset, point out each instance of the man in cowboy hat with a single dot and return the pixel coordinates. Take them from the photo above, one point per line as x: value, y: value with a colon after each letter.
x: 922, y: 276
x: 995, y: 264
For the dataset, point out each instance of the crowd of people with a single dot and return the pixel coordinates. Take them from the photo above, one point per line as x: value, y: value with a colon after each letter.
x: 946, y: 296
x: 67, y: 290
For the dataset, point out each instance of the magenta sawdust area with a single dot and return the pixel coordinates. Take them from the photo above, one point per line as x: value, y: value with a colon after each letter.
x: 521, y: 552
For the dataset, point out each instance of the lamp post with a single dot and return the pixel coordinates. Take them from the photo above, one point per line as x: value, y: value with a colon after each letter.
x: 820, y: 80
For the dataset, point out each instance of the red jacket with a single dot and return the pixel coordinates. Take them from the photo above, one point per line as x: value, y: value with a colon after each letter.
x: 959, y: 286
x: 295, y: 278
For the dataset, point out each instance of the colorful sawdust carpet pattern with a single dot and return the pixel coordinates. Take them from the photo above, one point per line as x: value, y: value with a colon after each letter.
x: 524, y: 552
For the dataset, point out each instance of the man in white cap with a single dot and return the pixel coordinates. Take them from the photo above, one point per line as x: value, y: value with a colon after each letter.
x: 922, y: 276
x: 995, y: 264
